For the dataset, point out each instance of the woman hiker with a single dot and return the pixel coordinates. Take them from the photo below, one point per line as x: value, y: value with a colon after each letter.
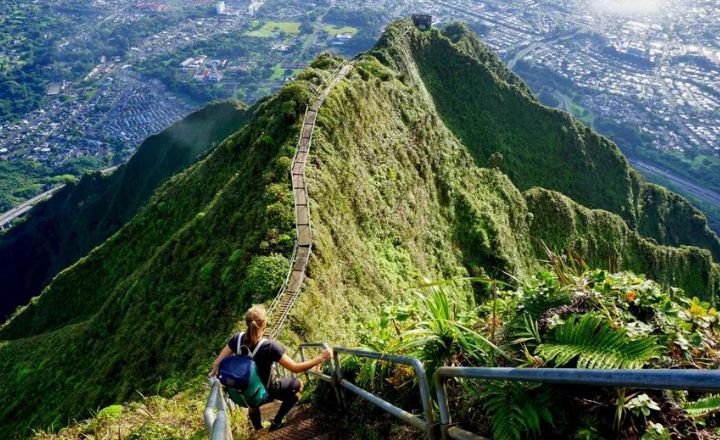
x: 286, y: 390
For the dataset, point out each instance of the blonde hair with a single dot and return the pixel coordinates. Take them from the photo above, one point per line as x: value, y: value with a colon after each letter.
x: 255, y: 319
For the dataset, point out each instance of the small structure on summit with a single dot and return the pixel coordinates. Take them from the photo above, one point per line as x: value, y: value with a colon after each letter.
x: 422, y: 21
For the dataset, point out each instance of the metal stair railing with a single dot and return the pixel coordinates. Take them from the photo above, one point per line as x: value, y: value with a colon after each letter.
x: 216, y: 409
x: 329, y: 378
x: 283, y: 302
x: 217, y: 422
x: 426, y: 424
x: 660, y: 379
x: 287, y: 295
x: 335, y: 378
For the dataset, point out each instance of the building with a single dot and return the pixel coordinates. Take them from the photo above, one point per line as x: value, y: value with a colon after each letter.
x: 422, y: 21
x: 220, y: 7
x: 53, y: 89
x: 254, y: 6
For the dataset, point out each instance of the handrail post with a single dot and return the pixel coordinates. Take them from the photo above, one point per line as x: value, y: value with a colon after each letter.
x: 424, y: 424
x: 333, y: 366
x: 442, y: 403
x: 424, y: 396
x: 337, y: 373
x: 330, y: 378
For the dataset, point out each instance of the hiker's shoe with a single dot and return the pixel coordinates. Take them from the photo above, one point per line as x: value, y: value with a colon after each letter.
x: 275, y: 426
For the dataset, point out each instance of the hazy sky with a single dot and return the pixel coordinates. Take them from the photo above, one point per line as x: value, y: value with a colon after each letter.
x: 629, y: 7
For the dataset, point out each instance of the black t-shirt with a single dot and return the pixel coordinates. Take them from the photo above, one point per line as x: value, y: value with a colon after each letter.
x: 268, y: 353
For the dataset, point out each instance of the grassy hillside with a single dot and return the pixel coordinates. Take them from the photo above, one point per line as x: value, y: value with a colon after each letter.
x: 603, y: 240
x: 397, y: 197
x: 81, y: 216
x: 492, y: 112
x: 133, y: 314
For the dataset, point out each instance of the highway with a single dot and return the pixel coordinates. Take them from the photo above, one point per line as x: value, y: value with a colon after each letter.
x: 21, y: 209
x: 8, y: 216
x: 701, y: 193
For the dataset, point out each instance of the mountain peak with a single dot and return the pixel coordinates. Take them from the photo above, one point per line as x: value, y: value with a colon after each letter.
x: 429, y: 160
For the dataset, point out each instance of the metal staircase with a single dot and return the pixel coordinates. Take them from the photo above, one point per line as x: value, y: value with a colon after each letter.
x: 289, y: 292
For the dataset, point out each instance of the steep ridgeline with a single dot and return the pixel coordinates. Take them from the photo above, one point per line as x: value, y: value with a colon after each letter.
x: 491, y: 111
x: 81, y: 216
x: 283, y: 303
x: 397, y: 198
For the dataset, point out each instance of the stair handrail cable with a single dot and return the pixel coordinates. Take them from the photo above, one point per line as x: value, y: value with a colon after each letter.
x: 286, y: 297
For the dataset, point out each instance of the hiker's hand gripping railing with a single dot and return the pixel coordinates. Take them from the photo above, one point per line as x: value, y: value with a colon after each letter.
x: 217, y: 423
x: 698, y: 380
x: 329, y: 378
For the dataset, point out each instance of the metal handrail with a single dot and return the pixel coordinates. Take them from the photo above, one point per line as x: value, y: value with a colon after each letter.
x: 329, y: 378
x: 427, y: 424
x: 216, y: 413
x: 276, y: 300
x: 661, y: 379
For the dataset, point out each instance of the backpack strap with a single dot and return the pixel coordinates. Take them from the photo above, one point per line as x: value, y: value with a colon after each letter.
x: 239, y: 344
x: 250, y: 353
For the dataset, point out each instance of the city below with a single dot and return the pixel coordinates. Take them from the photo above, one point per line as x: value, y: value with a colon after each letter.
x: 648, y: 74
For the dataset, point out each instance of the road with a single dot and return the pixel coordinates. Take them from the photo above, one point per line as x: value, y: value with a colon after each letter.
x: 533, y: 46
x: 701, y: 193
x: 8, y: 216
x: 21, y: 209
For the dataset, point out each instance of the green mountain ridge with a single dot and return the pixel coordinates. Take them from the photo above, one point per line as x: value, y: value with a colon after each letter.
x: 400, y: 193
x: 81, y: 216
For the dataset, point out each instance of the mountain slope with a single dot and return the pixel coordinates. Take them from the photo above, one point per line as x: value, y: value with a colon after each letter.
x: 81, y: 216
x: 600, y: 237
x: 397, y: 197
x: 492, y: 111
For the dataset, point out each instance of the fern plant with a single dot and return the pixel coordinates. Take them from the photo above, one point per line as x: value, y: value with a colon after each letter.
x: 703, y: 406
x: 516, y: 410
x: 595, y: 344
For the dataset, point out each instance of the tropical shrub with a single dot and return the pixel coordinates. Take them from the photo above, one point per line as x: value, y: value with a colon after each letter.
x: 564, y: 316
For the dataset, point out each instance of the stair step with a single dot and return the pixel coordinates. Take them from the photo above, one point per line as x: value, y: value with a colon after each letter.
x: 283, y: 303
x: 303, y: 423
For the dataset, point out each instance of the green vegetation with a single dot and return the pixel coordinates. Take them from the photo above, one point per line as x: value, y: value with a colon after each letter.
x: 24, y: 179
x: 272, y: 28
x: 85, y: 214
x: 702, y: 168
x: 182, y: 260
x: 562, y: 316
x: 334, y: 30
x: 400, y: 193
x: 604, y: 240
x: 710, y: 210
x: 152, y: 418
x: 540, y: 147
